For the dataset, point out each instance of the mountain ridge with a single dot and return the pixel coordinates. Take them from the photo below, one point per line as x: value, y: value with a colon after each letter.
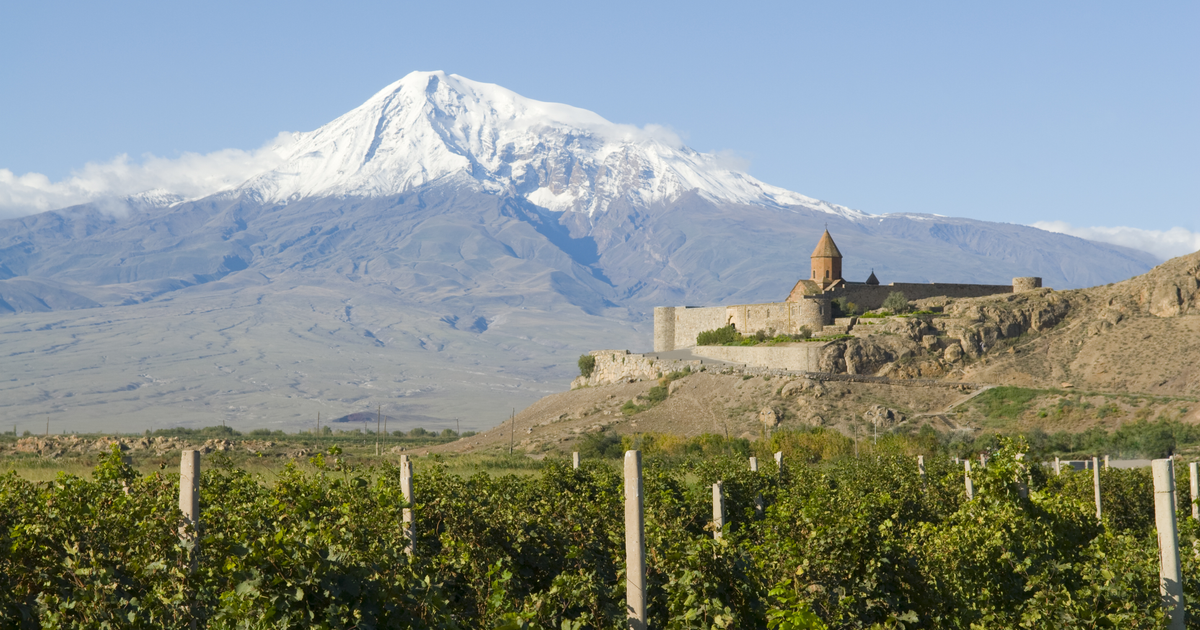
x: 446, y: 299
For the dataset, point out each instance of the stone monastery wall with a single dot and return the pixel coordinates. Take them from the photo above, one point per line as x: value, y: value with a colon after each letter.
x: 677, y: 326
x: 871, y: 297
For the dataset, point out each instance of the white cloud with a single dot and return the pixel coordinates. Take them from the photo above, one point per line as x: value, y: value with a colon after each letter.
x: 1164, y: 244
x: 191, y: 175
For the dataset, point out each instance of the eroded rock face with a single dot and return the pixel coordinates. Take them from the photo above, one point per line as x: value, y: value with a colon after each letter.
x: 866, y: 357
x: 882, y: 416
x: 832, y: 359
x: 768, y: 417
x: 793, y: 388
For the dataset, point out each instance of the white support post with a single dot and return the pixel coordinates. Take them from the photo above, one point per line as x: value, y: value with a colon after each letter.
x: 759, y: 509
x: 575, y: 460
x: 189, y: 499
x: 718, y: 511
x: 779, y: 460
x: 1057, y: 466
x: 1195, y: 490
x: 982, y: 461
x: 406, y: 489
x: 1170, y: 578
x: 1096, y: 483
x: 1106, y: 462
x: 189, y: 489
x: 635, y: 543
x: 921, y: 466
x: 967, y: 476
x: 1173, y: 478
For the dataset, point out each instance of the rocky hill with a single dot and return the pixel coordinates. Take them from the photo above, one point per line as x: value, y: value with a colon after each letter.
x: 1091, y: 357
x: 1141, y: 335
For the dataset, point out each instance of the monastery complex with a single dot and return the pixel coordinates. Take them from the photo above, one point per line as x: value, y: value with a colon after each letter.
x: 809, y: 304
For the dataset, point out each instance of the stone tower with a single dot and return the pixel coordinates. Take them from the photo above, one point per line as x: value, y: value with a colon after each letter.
x: 826, y: 262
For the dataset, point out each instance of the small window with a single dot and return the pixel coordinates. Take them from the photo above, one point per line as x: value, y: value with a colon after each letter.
x: 826, y: 274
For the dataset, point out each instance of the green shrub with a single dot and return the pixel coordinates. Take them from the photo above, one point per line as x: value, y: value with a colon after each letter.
x: 896, y: 302
x: 718, y: 337
x: 630, y: 408
x: 657, y: 394
x: 587, y: 365
x: 606, y: 445
x: 843, y: 307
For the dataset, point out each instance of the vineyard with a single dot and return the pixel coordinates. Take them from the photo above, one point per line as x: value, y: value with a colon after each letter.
x: 828, y: 540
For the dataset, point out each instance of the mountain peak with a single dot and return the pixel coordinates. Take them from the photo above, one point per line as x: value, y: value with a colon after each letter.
x: 433, y: 127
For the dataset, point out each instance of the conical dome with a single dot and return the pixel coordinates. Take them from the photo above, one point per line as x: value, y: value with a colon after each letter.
x: 872, y: 279
x: 826, y: 248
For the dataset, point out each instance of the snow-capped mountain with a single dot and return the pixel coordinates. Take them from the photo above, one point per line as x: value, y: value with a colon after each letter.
x: 430, y: 127
x: 448, y: 249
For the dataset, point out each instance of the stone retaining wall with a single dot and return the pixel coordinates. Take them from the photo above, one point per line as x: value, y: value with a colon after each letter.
x: 800, y: 357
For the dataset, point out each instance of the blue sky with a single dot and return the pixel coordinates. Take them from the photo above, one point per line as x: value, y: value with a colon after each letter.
x: 1081, y: 113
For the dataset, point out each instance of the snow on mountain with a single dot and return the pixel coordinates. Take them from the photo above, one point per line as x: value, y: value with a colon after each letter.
x: 433, y: 127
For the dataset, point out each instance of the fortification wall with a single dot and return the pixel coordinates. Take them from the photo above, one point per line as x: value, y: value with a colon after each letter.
x: 616, y: 366
x: 1021, y: 285
x: 688, y: 321
x: 812, y: 312
x: 676, y: 327
x: 801, y: 357
x: 870, y: 297
x: 664, y: 328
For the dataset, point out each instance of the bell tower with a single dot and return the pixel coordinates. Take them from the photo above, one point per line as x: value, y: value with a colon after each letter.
x: 826, y: 262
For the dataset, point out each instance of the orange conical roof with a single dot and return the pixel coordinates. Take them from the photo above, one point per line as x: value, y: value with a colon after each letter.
x: 826, y: 248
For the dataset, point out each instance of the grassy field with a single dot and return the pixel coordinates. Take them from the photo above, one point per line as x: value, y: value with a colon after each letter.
x: 260, y: 453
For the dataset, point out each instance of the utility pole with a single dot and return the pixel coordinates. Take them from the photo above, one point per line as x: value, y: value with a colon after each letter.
x: 318, y: 423
x: 512, y: 430
x: 47, y: 425
x: 378, y: 420
x: 458, y: 427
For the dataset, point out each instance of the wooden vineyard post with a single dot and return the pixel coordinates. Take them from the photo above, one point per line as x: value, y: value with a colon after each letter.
x: 718, y: 510
x: 1195, y: 483
x: 1170, y: 579
x: 921, y: 466
x: 406, y: 488
x: 575, y: 460
x: 967, y: 476
x: 635, y: 543
x: 1096, y: 483
x: 189, y: 499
